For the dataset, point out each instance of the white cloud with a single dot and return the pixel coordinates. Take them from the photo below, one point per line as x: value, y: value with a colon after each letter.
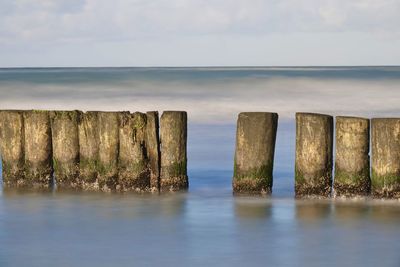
x: 198, y: 32
x: 103, y: 20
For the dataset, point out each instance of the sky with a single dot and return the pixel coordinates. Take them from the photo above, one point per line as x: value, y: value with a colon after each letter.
x: 45, y: 33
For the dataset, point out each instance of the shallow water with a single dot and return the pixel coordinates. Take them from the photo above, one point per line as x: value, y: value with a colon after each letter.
x: 202, y: 227
x: 207, y: 225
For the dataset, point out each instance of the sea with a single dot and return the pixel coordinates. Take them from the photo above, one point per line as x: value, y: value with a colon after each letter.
x: 208, y: 225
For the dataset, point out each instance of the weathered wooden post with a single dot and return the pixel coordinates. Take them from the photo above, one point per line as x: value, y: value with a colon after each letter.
x: 88, y: 150
x: 313, y: 167
x: 38, y: 149
x: 108, y: 127
x: 173, y: 135
x: 65, y: 140
x: 153, y: 148
x: 134, y: 172
x: 352, y: 157
x: 12, y: 147
x: 254, y: 155
x: 385, y: 180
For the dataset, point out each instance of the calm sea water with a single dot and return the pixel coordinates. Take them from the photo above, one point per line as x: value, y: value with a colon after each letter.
x: 207, y: 225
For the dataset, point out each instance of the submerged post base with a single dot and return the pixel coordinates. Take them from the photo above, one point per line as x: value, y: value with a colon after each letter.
x: 313, y: 190
x: 179, y: 183
x: 251, y: 186
x: 351, y: 186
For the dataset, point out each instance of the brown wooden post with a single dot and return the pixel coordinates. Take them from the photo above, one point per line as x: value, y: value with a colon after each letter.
x: 313, y: 167
x: 254, y: 155
x: 352, y: 157
x: 173, y: 135
x: 38, y: 149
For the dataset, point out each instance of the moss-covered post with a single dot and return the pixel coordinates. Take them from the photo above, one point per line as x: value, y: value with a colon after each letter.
x: 108, y: 127
x: 38, y: 149
x: 134, y: 172
x: 153, y: 148
x: 12, y: 147
x: 65, y: 140
x: 385, y: 142
x: 254, y: 155
x: 88, y: 150
x: 352, y: 157
x: 173, y: 135
x: 313, y: 167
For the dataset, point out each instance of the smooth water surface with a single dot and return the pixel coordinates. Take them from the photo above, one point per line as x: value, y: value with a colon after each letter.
x: 202, y: 227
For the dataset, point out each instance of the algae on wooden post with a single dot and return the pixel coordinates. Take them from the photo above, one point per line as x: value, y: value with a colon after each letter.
x: 385, y: 179
x: 313, y: 167
x: 352, y: 158
x: 88, y: 150
x: 173, y: 135
x: 12, y: 147
x: 134, y: 172
x: 65, y: 140
x: 38, y: 149
x: 107, y: 165
x: 153, y: 148
x: 254, y: 155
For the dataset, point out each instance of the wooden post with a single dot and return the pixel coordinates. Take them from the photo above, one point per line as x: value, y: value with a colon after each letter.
x: 12, y: 147
x: 352, y: 157
x: 38, y: 149
x: 313, y: 167
x: 385, y: 179
x: 173, y: 135
x: 107, y: 167
x: 134, y: 172
x: 153, y: 149
x: 254, y: 155
x: 88, y: 150
x: 65, y: 140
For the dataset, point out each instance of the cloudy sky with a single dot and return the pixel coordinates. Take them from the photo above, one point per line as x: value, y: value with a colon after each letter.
x: 199, y: 32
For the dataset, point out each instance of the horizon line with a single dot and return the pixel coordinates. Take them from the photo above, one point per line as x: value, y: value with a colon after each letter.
x: 202, y: 66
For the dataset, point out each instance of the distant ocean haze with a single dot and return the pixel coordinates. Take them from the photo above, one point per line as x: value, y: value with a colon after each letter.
x: 210, y: 95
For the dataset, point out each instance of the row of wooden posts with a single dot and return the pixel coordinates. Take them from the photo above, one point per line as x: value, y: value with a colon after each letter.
x: 105, y: 151
x: 255, y: 145
x: 123, y: 151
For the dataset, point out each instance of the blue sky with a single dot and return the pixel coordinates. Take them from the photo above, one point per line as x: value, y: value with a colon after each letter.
x: 199, y: 32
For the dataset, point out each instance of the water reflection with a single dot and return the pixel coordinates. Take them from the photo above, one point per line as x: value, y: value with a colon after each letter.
x: 313, y: 211
x: 385, y: 213
x: 173, y: 205
x: 350, y: 213
x: 194, y: 229
x: 252, y: 209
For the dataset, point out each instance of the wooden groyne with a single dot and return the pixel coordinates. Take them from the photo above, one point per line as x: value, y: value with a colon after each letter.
x: 99, y: 151
x: 353, y: 175
x: 123, y: 151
